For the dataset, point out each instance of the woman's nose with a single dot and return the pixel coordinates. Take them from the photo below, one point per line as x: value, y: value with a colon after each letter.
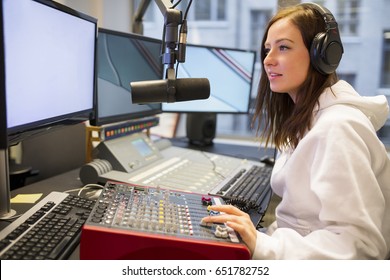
x: 269, y: 59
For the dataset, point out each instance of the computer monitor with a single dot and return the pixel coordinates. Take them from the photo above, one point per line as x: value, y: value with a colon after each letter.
x: 230, y: 72
x: 123, y: 58
x: 49, y: 65
x: 48, y: 75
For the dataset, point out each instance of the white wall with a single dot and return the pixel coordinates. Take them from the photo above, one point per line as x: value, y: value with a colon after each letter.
x: 111, y: 14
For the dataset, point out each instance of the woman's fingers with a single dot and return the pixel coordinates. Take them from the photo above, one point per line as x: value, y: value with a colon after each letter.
x: 228, y: 209
x: 237, y: 220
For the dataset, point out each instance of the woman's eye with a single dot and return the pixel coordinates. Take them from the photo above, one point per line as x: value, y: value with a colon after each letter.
x: 266, y: 51
x: 283, y: 48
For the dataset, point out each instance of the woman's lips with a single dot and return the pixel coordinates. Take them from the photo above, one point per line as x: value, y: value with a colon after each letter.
x: 272, y: 75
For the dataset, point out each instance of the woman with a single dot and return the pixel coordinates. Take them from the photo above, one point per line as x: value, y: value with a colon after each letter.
x: 333, y: 173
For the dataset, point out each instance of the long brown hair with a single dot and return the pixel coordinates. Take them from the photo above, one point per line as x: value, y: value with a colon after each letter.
x: 278, y: 118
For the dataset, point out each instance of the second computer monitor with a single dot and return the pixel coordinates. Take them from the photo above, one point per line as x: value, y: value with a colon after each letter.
x: 230, y: 72
x: 123, y: 58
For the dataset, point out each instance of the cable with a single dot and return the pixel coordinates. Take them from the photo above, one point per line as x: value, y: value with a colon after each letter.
x: 177, y: 3
x: 10, y: 219
x: 188, y: 8
x: 89, y: 195
x: 183, y: 25
x: 214, y: 165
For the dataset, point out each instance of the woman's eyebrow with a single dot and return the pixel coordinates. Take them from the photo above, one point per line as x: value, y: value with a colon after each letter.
x: 278, y: 41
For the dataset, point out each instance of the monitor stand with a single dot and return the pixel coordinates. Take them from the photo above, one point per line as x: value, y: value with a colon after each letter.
x: 201, y: 128
x: 5, y: 189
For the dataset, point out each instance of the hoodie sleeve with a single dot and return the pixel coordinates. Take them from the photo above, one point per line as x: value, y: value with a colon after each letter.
x: 333, y: 205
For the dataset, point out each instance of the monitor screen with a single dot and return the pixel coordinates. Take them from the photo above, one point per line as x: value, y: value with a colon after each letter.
x: 230, y: 72
x: 123, y: 58
x: 49, y: 65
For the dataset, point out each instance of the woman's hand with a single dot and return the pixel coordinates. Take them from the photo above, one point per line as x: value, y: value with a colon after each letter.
x: 237, y: 220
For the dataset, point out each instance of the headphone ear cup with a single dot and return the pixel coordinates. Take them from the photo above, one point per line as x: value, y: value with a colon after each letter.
x: 325, y: 53
x: 316, y: 49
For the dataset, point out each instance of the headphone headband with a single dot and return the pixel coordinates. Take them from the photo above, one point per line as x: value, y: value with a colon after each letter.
x: 326, y: 48
x: 327, y: 15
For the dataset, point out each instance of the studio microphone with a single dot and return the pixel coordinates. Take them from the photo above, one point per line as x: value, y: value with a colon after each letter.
x: 158, y: 91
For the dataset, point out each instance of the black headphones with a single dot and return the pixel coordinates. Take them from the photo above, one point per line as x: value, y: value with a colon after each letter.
x: 326, y: 48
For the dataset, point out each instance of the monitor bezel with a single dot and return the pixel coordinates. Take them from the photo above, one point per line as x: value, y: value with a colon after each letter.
x: 96, y: 120
x: 254, y: 53
x: 3, y: 107
x: 20, y: 132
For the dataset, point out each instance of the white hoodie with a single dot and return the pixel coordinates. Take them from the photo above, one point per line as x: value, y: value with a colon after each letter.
x: 335, y: 186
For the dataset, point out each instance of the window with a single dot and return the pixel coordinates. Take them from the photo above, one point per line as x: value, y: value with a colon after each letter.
x: 320, y: 2
x: 350, y: 78
x: 149, y: 13
x: 259, y: 19
x: 385, y: 73
x: 206, y: 10
x: 348, y: 17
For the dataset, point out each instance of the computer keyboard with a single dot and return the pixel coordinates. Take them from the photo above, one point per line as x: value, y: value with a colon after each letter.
x: 49, y: 230
x: 248, y: 188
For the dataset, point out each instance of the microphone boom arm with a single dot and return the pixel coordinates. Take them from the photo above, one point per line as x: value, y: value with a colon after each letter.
x: 172, y: 20
x: 137, y: 26
x: 171, y: 89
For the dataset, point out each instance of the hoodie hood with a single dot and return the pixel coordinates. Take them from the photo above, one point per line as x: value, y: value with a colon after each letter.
x: 375, y: 108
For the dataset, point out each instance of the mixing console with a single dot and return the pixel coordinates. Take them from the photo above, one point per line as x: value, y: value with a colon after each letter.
x: 137, y: 222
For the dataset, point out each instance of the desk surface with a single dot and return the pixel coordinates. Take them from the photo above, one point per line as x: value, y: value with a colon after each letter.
x: 238, y: 149
x: 70, y: 180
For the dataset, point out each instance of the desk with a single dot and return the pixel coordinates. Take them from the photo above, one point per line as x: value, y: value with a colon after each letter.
x: 238, y: 149
x: 70, y: 180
